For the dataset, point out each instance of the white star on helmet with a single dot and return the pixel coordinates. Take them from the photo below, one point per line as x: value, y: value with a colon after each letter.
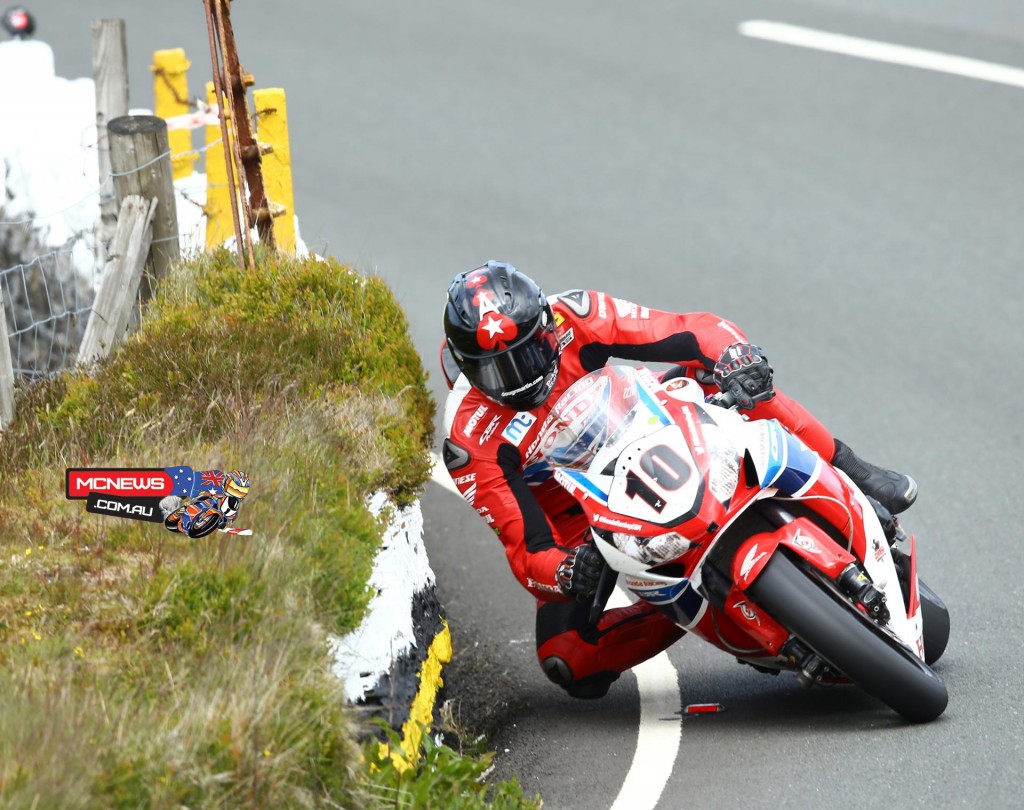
x: 493, y: 327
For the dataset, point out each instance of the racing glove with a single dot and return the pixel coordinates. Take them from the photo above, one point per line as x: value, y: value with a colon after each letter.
x: 579, y: 572
x: 743, y: 371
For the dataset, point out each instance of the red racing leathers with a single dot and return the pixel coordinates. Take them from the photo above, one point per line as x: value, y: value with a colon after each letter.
x: 488, y: 453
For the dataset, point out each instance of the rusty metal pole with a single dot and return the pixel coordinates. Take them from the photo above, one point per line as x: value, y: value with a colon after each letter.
x: 248, y: 150
x: 218, y: 85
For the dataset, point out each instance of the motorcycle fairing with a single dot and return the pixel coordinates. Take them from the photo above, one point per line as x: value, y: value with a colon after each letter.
x: 781, y: 460
x: 803, y: 538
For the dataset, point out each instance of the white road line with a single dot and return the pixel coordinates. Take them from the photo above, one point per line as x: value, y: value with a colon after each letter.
x: 882, y: 52
x: 661, y: 726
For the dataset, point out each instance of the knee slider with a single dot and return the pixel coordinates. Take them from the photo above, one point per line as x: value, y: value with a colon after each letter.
x: 588, y: 688
x: 557, y: 670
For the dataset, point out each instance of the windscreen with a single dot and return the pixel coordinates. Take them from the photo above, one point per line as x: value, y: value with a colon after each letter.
x: 592, y: 413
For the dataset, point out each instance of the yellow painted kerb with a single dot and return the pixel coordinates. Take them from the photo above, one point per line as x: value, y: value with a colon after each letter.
x: 421, y: 713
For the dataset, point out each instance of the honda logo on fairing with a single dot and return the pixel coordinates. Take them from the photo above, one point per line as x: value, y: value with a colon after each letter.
x: 751, y: 560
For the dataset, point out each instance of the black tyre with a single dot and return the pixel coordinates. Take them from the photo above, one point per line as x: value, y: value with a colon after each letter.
x: 828, y: 623
x: 935, y: 616
x: 204, y: 525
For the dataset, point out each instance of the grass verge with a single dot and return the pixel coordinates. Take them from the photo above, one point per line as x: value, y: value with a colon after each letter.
x: 139, y: 668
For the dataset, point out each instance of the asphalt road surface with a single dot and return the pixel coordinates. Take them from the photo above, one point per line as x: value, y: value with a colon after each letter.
x: 862, y: 221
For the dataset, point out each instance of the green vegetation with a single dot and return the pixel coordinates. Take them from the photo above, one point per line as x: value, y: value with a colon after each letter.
x: 139, y: 668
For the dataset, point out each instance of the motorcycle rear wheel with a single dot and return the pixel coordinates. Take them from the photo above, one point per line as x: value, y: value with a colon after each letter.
x: 827, y: 622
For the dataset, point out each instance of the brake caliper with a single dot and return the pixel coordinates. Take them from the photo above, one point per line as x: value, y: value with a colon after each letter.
x: 857, y: 584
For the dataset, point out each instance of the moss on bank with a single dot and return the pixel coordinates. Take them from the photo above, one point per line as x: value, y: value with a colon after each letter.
x: 139, y: 668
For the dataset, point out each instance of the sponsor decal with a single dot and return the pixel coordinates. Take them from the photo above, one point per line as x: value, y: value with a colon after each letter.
x: 751, y: 560
x: 517, y: 429
x: 633, y: 582
x: 565, y: 338
x: 728, y: 327
x: 469, y: 493
x: 577, y: 300
x: 602, y: 306
x: 806, y: 543
x: 676, y: 384
x: 878, y: 548
x: 522, y: 388
x: 474, y: 420
x: 627, y: 309
x: 747, y: 612
x: 485, y: 513
x: 559, y: 319
x: 464, y: 479
x: 619, y: 524
x: 695, y: 441
x: 490, y: 429
x: 542, y: 586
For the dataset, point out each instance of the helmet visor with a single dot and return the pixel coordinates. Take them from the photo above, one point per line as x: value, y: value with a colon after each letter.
x: 517, y: 376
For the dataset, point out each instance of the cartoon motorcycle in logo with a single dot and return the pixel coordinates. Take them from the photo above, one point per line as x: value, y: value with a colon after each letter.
x: 207, y: 511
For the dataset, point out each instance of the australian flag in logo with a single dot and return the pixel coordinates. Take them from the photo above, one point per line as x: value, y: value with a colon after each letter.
x: 188, y: 482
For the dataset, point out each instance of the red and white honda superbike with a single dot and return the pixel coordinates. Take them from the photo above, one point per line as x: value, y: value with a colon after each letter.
x: 745, y: 537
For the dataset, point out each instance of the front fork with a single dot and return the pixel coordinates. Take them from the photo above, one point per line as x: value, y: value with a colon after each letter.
x: 804, y: 540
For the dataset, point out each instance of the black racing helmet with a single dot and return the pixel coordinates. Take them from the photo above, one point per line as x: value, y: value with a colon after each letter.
x: 501, y: 333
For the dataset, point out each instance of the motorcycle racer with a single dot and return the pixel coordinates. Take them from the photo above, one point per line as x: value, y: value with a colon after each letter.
x: 509, y: 353
x: 210, y: 509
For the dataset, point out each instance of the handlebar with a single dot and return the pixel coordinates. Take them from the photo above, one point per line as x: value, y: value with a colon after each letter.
x: 725, y: 399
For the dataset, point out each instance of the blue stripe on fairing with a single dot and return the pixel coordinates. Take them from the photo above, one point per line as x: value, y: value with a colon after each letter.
x: 777, y: 447
x: 668, y: 592
x: 802, y: 465
x: 652, y: 404
x: 536, y: 473
x: 587, y: 484
x: 681, y: 602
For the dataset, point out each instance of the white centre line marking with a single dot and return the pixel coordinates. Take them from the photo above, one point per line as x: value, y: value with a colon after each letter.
x: 660, y: 701
x: 883, y: 52
x: 661, y: 726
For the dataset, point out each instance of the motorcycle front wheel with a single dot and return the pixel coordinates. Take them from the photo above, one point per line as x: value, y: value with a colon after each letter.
x: 829, y: 623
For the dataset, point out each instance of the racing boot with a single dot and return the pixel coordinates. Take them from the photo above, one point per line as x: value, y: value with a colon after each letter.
x: 890, y: 527
x: 896, y: 492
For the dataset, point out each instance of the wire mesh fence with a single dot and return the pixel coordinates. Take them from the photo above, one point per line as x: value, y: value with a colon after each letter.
x: 47, y: 304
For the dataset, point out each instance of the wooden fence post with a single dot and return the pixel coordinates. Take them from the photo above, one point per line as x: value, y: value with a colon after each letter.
x: 141, y: 160
x: 272, y: 129
x: 6, y: 370
x: 110, y: 76
x: 111, y: 311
